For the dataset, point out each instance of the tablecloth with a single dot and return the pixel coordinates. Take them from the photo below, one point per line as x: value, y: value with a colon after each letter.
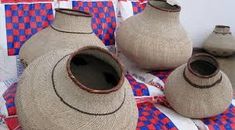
x: 21, y: 19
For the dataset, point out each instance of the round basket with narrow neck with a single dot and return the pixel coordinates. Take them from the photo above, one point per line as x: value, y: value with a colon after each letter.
x: 199, y: 89
x: 220, y: 42
x: 155, y: 38
x: 70, y: 29
x: 84, y: 90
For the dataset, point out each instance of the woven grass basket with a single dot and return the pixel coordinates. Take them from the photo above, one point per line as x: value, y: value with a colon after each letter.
x: 220, y: 42
x: 85, y: 90
x: 199, y: 89
x: 70, y: 29
x: 155, y: 38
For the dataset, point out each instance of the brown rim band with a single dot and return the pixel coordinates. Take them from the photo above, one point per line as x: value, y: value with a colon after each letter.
x: 221, y: 26
x: 178, y: 8
x: 118, y: 86
x: 73, y: 12
x: 201, y: 86
x: 71, y: 106
x: 58, y: 30
x: 224, y: 33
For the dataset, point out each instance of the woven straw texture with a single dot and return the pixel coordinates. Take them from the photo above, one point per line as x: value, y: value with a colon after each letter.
x: 227, y: 65
x: 197, y: 102
x: 50, y: 39
x: 154, y: 39
x: 220, y: 42
x: 39, y: 107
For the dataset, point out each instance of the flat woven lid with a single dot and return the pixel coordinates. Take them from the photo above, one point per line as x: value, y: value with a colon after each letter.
x: 57, y: 102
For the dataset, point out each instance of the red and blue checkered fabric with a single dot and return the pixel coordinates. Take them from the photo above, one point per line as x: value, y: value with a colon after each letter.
x: 224, y: 121
x: 138, y: 7
x: 139, y: 89
x: 162, y: 74
x: 16, y: 1
x: 103, y: 20
x: 150, y: 118
x: 24, y: 20
x: 9, y: 97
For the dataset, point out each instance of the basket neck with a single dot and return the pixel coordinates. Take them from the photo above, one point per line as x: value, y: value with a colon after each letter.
x: 200, y: 82
x: 72, y: 21
x: 159, y: 15
x: 202, y: 71
x: 221, y: 29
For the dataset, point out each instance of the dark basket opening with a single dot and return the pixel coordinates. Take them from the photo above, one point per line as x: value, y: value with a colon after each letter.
x: 203, y: 65
x: 95, y: 70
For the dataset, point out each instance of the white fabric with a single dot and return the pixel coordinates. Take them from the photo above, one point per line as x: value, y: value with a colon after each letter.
x: 3, y: 40
x: 3, y: 109
x: 172, y: 2
x: 3, y: 127
x: 126, y: 9
x: 8, y: 65
x: 65, y: 4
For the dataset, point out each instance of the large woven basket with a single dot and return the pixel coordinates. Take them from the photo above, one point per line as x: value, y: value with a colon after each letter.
x: 154, y: 38
x: 85, y: 90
